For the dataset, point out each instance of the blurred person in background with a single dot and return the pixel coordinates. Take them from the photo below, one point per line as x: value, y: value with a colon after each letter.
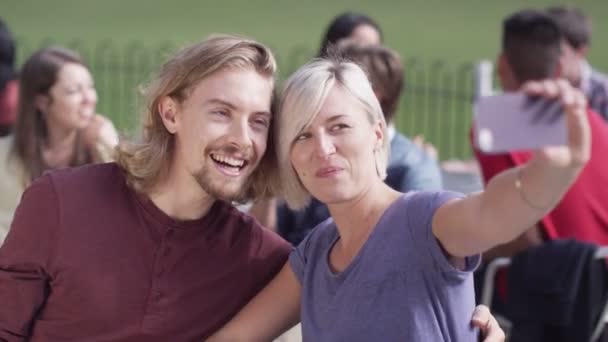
x: 57, y: 125
x: 350, y: 25
x: 8, y: 81
x: 576, y: 29
x: 532, y: 49
x: 363, y: 30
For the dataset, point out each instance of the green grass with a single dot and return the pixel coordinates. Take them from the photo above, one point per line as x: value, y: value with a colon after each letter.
x: 453, y: 31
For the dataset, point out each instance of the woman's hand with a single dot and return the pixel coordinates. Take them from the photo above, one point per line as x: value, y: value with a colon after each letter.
x: 578, y: 150
x: 516, y: 199
x: 487, y: 324
x: 100, y: 131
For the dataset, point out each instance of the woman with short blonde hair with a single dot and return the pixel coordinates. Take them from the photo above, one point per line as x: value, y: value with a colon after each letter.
x: 387, y: 265
x: 303, y: 97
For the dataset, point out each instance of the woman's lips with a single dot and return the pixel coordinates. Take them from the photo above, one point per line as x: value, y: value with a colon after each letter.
x: 329, y: 171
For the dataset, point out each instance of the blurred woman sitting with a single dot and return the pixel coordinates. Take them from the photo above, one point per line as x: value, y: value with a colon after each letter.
x: 56, y: 127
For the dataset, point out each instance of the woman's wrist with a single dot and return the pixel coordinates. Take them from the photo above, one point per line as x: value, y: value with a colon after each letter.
x: 541, y: 185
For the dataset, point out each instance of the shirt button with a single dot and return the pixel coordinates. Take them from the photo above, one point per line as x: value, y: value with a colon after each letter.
x: 158, y: 295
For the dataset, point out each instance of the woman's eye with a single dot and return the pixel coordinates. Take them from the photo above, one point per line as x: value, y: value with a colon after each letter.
x: 339, y: 127
x: 302, y: 136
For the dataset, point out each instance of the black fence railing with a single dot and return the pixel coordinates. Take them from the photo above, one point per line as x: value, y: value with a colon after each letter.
x: 436, y: 103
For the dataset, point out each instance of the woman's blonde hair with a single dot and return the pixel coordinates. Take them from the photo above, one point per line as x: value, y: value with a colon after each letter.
x: 147, y: 160
x: 303, y: 96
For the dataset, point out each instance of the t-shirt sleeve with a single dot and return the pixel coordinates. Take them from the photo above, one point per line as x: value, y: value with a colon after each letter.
x: 26, y: 259
x: 300, y: 256
x: 420, y: 211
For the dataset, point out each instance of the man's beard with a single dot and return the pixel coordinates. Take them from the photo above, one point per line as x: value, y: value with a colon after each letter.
x: 227, y: 190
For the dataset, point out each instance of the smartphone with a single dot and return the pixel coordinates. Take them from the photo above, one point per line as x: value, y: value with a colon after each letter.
x: 516, y: 121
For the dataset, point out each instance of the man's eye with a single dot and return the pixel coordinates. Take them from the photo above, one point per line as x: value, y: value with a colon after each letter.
x: 261, y: 122
x: 220, y: 112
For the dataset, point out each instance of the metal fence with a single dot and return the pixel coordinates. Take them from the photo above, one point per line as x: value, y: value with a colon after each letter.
x: 436, y: 102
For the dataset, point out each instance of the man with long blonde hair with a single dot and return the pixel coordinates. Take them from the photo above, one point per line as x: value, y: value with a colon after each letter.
x: 150, y: 248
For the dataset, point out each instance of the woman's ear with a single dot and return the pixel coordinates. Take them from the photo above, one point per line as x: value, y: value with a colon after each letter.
x: 379, y: 130
x: 168, y: 111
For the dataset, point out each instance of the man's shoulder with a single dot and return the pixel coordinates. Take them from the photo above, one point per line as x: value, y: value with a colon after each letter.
x: 249, y: 230
x: 411, y: 168
x: 599, y: 136
x: 88, y: 171
x: 599, y: 76
x: 402, y: 145
x: 598, y: 124
x: 405, y: 152
x: 91, y: 177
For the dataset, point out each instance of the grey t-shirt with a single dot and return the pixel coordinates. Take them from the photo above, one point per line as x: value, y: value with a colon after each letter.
x: 399, y: 287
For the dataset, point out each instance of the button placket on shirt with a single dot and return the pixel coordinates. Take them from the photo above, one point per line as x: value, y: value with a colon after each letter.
x: 159, y: 287
x: 162, y: 263
x: 160, y: 267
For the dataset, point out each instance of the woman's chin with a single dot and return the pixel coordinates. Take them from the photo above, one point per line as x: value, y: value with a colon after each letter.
x: 335, y: 197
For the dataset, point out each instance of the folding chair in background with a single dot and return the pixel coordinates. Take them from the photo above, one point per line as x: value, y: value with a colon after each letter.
x: 502, y: 263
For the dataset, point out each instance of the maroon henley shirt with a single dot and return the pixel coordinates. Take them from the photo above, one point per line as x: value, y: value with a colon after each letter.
x: 88, y: 259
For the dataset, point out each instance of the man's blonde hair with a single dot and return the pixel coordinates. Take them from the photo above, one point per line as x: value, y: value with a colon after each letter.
x: 147, y: 160
x: 303, y: 96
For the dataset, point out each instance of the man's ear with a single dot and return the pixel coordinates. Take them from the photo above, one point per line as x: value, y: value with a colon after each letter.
x: 582, y: 51
x: 168, y: 111
x: 505, y: 74
x: 42, y: 103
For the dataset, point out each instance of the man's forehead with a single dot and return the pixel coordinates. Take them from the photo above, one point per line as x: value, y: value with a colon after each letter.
x: 235, y: 88
x: 234, y: 76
